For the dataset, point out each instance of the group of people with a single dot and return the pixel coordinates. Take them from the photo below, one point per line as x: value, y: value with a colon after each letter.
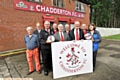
x: 36, y: 42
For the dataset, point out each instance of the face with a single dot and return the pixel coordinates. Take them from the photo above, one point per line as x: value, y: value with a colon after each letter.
x: 54, y: 26
x: 38, y: 26
x: 91, y: 27
x: 67, y: 27
x: 77, y: 25
x: 30, y: 31
x: 47, y: 25
x: 83, y: 27
x: 60, y: 28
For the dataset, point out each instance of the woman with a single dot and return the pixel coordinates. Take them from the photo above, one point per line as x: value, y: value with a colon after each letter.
x: 96, y: 38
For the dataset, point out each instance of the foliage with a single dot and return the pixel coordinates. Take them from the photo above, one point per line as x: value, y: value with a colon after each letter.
x: 105, y: 13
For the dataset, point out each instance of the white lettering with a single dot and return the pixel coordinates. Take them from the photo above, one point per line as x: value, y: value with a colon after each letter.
x: 75, y: 14
x: 38, y: 7
x: 51, y: 10
x: 47, y: 9
x: 55, y: 10
x: 43, y: 8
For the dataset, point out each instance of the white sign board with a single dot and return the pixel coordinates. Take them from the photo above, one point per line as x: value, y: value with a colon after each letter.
x: 71, y: 58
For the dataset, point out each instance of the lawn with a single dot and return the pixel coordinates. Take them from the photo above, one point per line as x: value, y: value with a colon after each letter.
x: 115, y: 37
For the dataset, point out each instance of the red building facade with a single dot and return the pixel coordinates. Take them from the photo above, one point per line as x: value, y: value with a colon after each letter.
x: 16, y: 15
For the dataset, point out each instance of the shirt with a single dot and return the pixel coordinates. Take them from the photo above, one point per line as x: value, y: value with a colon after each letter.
x: 39, y: 31
x: 75, y: 33
x: 31, y: 42
x: 60, y: 34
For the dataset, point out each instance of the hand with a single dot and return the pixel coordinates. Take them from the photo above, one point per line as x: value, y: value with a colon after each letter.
x: 48, y: 42
x: 92, y: 39
x: 82, y: 40
x: 73, y: 40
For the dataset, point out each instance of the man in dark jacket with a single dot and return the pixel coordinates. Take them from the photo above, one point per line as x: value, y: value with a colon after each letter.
x: 76, y: 33
x: 37, y: 32
x: 46, y: 47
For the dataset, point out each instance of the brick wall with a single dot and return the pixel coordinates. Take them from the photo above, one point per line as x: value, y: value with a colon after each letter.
x: 13, y: 23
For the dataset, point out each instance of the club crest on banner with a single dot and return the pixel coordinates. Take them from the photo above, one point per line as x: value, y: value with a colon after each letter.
x: 71, y: 56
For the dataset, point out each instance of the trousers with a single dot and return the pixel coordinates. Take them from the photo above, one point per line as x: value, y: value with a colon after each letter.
x: 33, y: 54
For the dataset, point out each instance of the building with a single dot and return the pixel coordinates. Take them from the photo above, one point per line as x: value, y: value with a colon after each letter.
x: 16, y: 15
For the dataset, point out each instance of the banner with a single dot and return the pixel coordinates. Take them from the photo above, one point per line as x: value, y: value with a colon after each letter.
x: 30, y: 6
x: 72, y: 58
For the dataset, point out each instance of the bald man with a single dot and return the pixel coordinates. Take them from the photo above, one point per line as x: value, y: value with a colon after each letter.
x: 46, y: 47
x: 76, y: 33
x: 84, y: 28
x: 37, y: 32
x: 55, y: 28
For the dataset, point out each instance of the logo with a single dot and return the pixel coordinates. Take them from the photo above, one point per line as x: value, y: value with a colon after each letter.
x: 73, y: 58
x: 31, y: 7
x: 21, y: 5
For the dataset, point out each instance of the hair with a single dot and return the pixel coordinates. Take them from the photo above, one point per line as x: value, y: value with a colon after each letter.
x: 83, y: 24
x: 28, y: 28
x: 54, y: 23
x: 66, y: 25
x: 60, y: 25
x: 47, y: 21
x: 92, y: 24
x: 76, y: 22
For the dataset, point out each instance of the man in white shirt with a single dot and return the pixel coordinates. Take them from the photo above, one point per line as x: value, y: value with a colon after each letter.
x: 76, y: 33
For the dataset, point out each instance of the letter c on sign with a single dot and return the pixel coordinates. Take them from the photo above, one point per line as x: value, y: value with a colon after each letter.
x: 38, y: 7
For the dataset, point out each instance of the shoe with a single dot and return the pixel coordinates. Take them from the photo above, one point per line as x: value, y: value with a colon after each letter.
x: 50, y: 70
x: 39, y: 72
x: 93, y: 69
x: 46, y: 73
x: 30, y: 72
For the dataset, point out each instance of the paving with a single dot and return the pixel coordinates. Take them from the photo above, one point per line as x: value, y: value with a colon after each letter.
x: 107, y: 67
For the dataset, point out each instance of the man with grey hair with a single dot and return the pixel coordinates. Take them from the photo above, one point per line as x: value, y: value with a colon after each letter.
x: 76, y: 33
x: 61, y: 36
x: 67, y: 28
x: 46, y: 47
x: 32, y: 44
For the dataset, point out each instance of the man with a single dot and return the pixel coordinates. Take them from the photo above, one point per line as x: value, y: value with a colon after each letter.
x: 55, y: 28
x: 67, y: 28
x: 32, y: 44
x: 76, y: 33
x: 37, y: 32
x: 61, y: 36
x: 84, y: 28
x: 46, y: 47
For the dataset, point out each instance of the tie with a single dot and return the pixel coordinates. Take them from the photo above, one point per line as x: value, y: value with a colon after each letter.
x: 62, y: 38
x: 48, y: 31
x: 77, y: 35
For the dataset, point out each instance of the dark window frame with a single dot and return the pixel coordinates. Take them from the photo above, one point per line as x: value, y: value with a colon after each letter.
x: 57, y: 3
x: 34, y: 1
x: 79, y: 6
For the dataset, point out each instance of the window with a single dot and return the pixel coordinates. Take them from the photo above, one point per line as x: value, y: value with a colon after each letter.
x: 59, y: 3
x: 36, y: 1
x: 80, y: 6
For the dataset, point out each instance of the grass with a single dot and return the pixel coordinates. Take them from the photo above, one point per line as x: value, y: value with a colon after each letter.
x: 114, y: 37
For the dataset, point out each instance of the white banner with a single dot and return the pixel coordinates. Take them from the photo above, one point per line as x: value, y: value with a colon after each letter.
x: 71, y: 58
